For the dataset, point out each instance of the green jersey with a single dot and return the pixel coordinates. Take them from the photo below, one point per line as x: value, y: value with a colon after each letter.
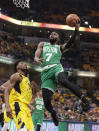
x: 38, y: 105
x: 51, y: 54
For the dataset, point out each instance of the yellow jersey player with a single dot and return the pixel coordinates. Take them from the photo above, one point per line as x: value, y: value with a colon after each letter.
x: 18, y: 96
x: 6, y: 118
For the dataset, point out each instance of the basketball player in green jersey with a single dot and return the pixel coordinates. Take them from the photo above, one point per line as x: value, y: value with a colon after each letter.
x: 48, y: 55
x: 38, y: 113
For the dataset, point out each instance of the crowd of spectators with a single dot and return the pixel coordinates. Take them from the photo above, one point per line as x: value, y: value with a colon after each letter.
x: 68, y: 108
x: 13, y: 47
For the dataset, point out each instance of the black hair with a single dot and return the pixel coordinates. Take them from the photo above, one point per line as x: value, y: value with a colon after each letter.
x: 56, y: 32
x: 60, y: 36
x: 16, y: 63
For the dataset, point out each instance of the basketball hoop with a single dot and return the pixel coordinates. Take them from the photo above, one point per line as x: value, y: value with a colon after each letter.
x: 21, y: 3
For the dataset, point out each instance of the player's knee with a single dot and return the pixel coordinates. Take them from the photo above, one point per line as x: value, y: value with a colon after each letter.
x: 61, y: 78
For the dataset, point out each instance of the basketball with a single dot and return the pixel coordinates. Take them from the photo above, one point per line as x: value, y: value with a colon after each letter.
x: 72, y: 20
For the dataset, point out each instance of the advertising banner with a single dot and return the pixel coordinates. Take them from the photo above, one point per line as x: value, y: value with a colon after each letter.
x: 64, y: 126
x: 95, y: 127
x: 75, y: 127
x: 49, y: 126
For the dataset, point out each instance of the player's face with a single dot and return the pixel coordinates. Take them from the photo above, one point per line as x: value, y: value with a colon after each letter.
x: 54, y: 37
x: 22, y: 65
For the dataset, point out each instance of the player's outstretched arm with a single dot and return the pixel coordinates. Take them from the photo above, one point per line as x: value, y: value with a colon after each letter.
x: 38, y: 52
x: 12, y: 81
x: 72, y: 39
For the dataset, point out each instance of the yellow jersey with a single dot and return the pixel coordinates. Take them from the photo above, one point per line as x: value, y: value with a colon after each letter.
x: 22, y: 92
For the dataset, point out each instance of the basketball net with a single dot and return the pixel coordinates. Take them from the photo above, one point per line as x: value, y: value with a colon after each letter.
x: 21, y: 3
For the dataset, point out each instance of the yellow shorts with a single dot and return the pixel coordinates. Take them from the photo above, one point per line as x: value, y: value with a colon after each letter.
x: 6, y: 118
x: 22, y: 115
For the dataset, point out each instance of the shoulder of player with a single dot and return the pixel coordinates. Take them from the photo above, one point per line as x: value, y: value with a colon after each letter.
x: 41, y: 44
x: 57, y: 46
x: 16, y: 77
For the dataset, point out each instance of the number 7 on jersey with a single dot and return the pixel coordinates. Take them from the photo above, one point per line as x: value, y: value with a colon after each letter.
x: 49, y: 55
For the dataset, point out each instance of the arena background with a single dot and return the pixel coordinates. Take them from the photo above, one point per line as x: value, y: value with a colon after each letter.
x: 22, y: 29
